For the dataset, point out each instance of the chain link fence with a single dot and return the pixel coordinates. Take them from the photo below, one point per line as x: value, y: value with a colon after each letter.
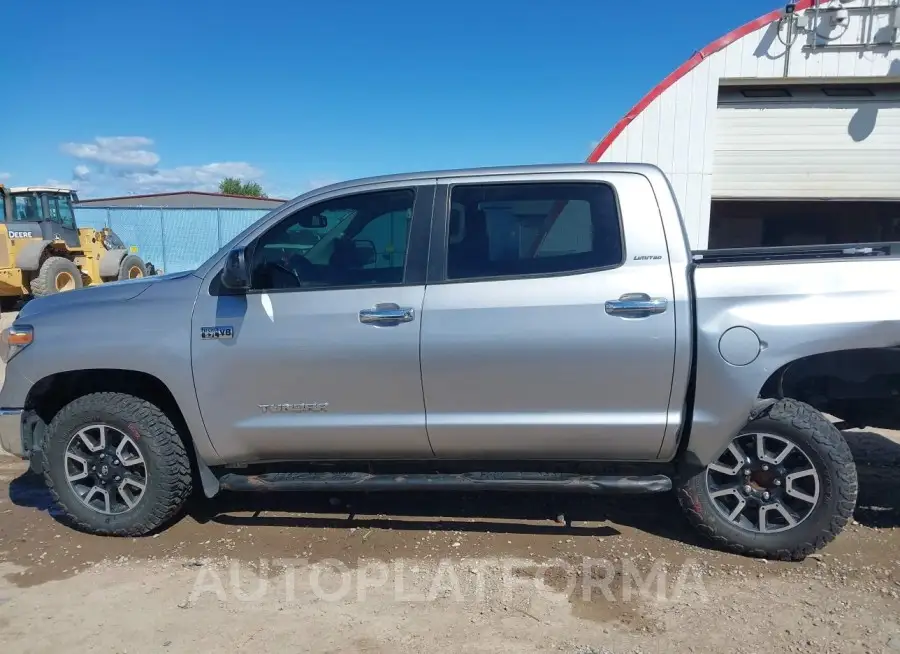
x: 171, y: 239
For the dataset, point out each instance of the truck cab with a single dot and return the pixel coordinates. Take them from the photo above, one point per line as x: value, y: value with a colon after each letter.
x: 41, y: 212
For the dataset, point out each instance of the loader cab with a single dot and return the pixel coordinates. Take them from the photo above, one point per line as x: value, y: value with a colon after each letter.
x: 41, y: 212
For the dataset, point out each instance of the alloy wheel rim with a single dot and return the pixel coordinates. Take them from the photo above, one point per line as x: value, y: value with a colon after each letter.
x: 763, y: 483
x: 105, y: 469
x: 135, y: 272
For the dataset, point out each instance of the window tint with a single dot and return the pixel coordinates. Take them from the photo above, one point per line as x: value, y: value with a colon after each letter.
x: 502, y: 230
x: 356, y: 240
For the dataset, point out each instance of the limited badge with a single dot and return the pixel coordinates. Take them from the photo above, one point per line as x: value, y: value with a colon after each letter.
x: 218, y: 332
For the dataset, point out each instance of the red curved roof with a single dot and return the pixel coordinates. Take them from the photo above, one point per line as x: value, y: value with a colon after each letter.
x: 684, y: 69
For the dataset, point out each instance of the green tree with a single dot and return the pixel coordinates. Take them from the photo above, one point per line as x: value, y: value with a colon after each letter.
x: 234, y: 186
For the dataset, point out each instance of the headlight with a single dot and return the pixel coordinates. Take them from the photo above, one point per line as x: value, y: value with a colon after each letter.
x: 14, y: 339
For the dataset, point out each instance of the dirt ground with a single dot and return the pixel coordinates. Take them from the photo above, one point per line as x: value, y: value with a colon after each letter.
x: 487, y: 572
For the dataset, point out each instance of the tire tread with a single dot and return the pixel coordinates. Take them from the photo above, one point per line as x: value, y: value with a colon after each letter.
x: 174, y: 478
x: 831, y: 444
x: 42, y: 285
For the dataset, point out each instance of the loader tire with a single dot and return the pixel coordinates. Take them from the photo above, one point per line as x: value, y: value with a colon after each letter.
x: 115, y: 465
x: 132, y: 267
x: 766, y: 505
x: 57, y: 274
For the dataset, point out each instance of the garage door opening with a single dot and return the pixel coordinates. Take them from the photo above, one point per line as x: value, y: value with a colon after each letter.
x: 770, y: 223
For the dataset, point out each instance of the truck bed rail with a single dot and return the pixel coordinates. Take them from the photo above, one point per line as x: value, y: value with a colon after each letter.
x: 796, y: 253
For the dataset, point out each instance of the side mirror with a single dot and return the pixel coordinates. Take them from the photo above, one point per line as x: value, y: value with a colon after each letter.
x: 317, y: 221
x: 236, y: 272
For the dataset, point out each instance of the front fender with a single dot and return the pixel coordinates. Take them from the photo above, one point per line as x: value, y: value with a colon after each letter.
x: 148, y: 332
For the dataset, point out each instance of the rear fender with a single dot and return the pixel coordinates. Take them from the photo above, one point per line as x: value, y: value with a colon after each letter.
x: 773, y: 314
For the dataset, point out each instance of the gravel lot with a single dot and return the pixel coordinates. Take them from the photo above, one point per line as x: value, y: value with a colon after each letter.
x: 443, y: 572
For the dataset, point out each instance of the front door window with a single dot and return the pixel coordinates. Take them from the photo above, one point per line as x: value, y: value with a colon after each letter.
x: 354, y: 241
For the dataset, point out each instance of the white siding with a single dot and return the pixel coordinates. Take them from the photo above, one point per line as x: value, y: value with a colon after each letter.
x: 677, y: 131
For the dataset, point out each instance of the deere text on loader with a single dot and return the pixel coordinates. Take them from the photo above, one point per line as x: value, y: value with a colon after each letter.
x: 43, y: 251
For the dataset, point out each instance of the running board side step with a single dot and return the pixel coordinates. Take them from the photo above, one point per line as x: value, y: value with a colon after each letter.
x: 500, y: 481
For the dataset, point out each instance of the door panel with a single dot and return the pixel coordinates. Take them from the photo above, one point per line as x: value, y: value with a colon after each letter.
x: 538, y: 367
x: 309, y: 348
x: 322, y: 358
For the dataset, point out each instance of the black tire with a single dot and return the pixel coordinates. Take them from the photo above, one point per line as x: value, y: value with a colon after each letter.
x: 129, y: 264
x: 169, y: 480
x: 825, y: 447
x: 46, y: 281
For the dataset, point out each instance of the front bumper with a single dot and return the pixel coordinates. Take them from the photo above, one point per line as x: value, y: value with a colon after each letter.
x: 11, y: 432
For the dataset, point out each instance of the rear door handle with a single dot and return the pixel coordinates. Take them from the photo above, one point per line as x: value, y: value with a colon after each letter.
x: 636, y: 305
x: 386, y: 314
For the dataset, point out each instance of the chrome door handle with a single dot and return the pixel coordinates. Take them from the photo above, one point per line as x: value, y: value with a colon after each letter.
x: 636, y: 305
x: 386, y: 314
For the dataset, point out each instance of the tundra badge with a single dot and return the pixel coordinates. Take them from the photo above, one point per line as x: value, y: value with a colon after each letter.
x: 301, y: 407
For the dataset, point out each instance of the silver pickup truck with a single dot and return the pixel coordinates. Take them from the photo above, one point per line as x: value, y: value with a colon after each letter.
x: 528, y: 328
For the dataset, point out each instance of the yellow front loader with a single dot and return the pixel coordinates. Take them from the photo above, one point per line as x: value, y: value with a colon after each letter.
x: 43, y: 251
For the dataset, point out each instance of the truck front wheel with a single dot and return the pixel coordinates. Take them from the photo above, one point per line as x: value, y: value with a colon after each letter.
x: 115, y: 465
x: 783, y: 488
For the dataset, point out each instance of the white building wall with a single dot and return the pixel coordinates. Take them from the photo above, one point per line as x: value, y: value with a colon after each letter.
x: 676, y: 131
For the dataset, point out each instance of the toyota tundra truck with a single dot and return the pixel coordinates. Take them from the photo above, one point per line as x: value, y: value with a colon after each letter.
x: 514, y: 329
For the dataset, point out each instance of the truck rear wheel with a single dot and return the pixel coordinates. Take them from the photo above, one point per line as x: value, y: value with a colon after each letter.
x: 132, y: 267
x: 115, y: 465
x: 57, y: 274
x: 783, y: 488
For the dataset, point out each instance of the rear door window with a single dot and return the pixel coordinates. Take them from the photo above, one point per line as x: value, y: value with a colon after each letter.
x: 524, y: 229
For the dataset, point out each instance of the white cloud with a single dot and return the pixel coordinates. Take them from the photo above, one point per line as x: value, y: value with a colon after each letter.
x: 5, y: 176
x: 58, y: 183
x: 81, y: 172
x: 198, y: 178
x: 123, y: 151
x: 128, y: 164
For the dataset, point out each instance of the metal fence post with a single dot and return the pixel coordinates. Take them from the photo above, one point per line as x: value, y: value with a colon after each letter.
x: 162, y: 239
x: 218, y: 229
x: 108, y: 219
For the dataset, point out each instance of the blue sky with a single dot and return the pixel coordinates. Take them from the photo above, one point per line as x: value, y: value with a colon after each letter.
x: 134, y: 97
